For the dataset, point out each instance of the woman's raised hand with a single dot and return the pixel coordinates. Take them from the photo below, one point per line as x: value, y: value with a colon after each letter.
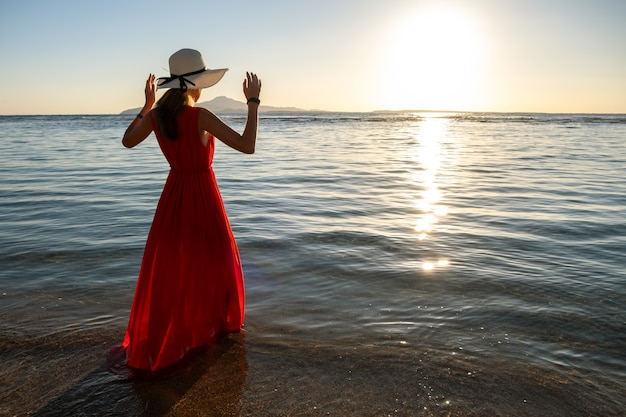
x: 150, y: 92
x: 251, y: 86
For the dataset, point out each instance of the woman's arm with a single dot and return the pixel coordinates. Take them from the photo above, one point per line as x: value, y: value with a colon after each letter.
x: 245, y: 142
x: 140, y: 127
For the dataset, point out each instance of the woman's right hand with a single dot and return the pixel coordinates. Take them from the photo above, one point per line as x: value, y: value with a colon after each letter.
x: 251, y: 86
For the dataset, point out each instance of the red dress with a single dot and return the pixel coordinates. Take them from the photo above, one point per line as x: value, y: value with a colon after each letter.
x: 190, y: 288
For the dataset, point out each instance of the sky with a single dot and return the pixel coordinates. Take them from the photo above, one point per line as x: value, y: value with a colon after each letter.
x: 93, y: 57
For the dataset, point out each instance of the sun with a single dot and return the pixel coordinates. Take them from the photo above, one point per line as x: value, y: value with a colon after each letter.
x: 433, y: 59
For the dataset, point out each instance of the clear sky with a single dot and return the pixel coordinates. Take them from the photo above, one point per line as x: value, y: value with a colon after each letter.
x: 92, y: 57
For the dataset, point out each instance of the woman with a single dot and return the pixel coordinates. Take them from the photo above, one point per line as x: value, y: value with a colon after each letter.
x: 190, y: 287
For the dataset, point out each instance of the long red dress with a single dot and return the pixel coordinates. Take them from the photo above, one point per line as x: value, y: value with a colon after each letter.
x: 190, y: 289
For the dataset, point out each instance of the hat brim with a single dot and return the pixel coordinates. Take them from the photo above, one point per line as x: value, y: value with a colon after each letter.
x: 205, y: 79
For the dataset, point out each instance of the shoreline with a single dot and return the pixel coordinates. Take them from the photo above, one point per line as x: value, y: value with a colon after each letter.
x: 250, y: 374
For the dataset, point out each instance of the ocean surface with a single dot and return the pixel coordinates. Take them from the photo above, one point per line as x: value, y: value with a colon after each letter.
x: 405, y: 264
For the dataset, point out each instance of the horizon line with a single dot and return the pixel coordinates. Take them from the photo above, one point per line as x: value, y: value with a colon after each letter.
x: 296, y: 110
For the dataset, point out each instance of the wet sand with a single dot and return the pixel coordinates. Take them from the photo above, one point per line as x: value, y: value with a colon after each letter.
x: 252, y: 375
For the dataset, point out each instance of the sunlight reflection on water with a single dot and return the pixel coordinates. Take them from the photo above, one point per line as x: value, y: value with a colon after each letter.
x: 429, y: 155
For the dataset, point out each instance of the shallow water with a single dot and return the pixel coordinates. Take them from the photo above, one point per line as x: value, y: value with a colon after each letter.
x: 396, y: 264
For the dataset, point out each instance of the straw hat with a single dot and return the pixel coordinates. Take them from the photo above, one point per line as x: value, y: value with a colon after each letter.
x: 188, y: 71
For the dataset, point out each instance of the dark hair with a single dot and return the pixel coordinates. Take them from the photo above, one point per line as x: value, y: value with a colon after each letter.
x: 167, y: 109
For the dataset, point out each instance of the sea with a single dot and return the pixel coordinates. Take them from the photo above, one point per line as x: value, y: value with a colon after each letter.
x: 396, y: 264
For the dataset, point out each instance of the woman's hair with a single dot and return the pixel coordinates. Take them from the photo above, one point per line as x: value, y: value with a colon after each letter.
x: 168, y: 108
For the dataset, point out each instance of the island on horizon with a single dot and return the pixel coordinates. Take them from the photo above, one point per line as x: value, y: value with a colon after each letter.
x: 224, y: 104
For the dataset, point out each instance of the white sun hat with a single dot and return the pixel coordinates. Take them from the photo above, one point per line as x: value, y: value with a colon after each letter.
x: 188, y: 71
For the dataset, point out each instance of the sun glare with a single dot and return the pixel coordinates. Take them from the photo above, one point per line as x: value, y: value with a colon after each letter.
x: 433, y: 59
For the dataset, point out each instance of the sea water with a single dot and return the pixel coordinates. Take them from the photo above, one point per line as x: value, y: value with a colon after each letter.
x: 395, y: 264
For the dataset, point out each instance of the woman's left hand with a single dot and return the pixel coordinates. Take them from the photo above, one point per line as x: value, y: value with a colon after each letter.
x: 150, y: 92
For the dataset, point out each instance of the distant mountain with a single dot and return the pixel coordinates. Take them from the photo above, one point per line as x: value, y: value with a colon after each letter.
x: 228, y: 105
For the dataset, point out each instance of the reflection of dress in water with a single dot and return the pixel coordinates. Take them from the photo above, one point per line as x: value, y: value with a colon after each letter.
x: 190, y: 287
